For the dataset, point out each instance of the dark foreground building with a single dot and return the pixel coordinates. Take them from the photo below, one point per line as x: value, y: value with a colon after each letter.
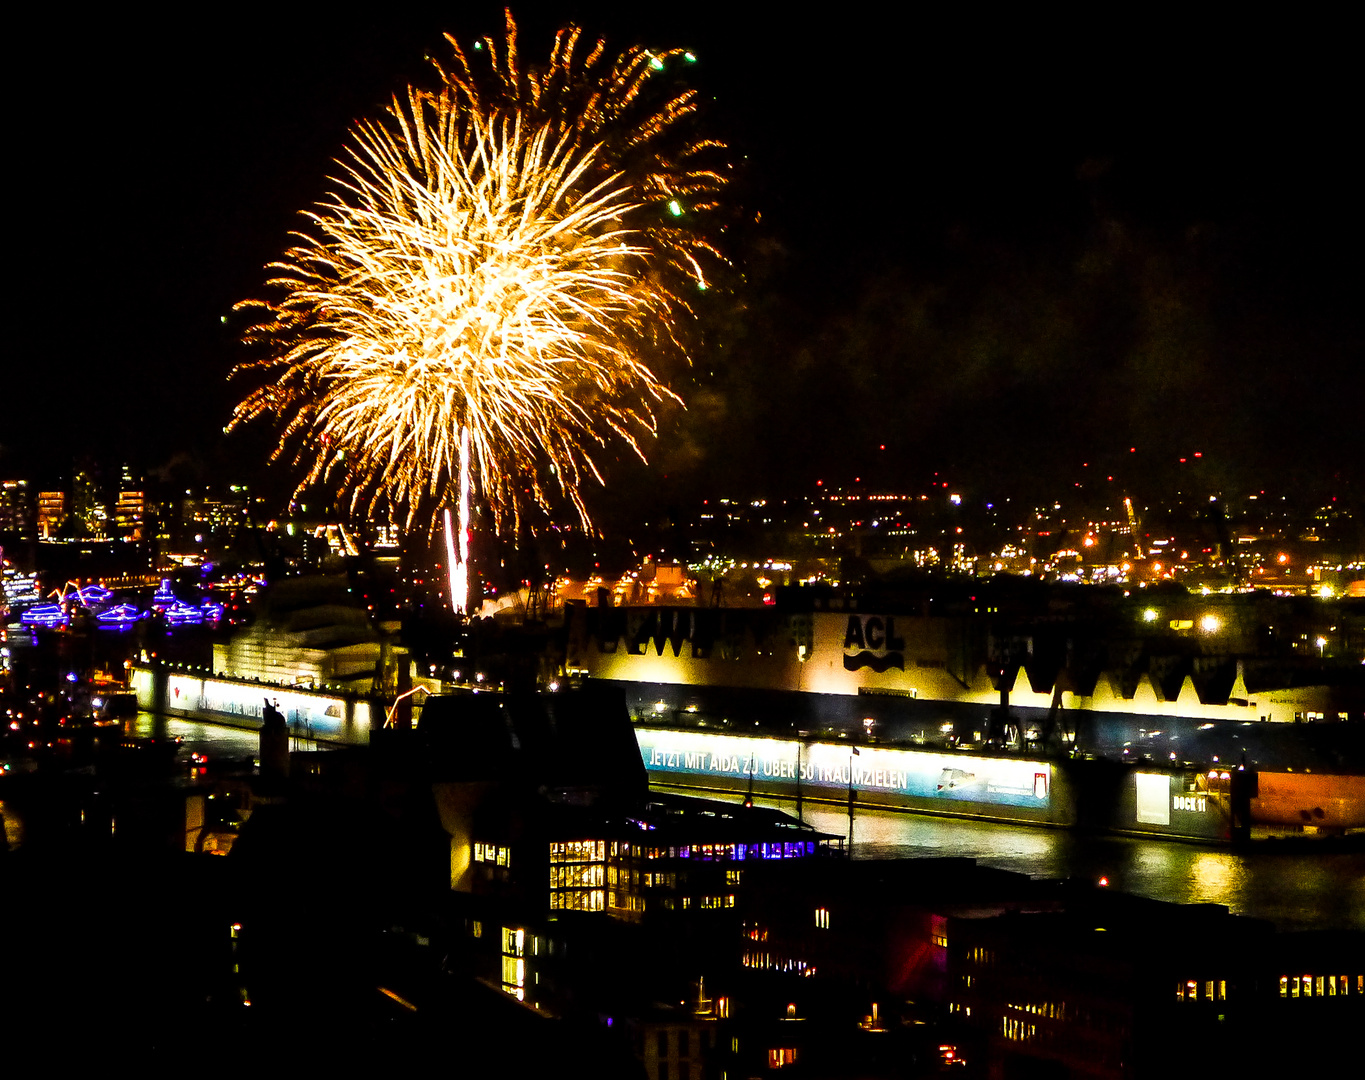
x: 502, y: 876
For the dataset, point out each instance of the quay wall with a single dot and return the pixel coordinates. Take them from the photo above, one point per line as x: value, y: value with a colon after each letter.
x: 1087, y: 794
x: 332, y: 717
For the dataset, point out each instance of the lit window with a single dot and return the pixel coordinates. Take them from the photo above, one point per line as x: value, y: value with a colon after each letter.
x: 513, y: 966
x: 822, y: 918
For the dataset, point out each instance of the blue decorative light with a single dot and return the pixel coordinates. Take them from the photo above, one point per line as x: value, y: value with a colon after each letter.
x: 120, y: 616
x: 47, y: 615
x: 181, y: 614
x: 92, y: 595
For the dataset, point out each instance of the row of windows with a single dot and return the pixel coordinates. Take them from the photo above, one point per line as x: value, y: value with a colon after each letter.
x: 1095, y: 1019
x: 1053, y: 1010
x: 565, y: 851
x: 767, y: 962
x: 636, y: 879
x: 492, y: 853
x: 739, y: 852
x: 1320, y: 985
x: 1190, y: 990
x: 577, y: 876
x: 1017, y: 1030
x: 577, y: 900
x: 513, y: 964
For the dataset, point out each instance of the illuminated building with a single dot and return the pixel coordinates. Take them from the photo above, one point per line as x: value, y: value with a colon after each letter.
x: 562, y: 868
x: 1176, y: 681
x: 16, y: 510
x: 596, y: 840
x: 1198, y: 658
x: 130, y: 515
x: 87, y: 507
x: 51, y: 513
x: 309, y: 631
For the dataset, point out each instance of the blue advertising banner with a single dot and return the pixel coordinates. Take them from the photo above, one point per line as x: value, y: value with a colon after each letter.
x: 921, y: 774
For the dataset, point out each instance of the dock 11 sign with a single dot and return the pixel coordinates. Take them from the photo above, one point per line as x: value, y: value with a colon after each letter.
x: 922, y: 774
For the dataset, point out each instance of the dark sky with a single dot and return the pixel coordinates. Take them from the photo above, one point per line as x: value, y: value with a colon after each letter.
x: 997, y: 248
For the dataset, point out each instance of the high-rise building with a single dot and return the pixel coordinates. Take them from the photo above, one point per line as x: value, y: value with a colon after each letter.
x: 16, y: 508
x: 87, y: 507
x: 51, y: 513
x: 130, y: 514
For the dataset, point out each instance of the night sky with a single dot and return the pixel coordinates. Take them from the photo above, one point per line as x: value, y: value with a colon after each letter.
x: 998, y: 249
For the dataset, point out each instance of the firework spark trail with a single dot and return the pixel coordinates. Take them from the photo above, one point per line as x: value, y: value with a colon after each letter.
x: 497, y: 263
x: 459, y: 593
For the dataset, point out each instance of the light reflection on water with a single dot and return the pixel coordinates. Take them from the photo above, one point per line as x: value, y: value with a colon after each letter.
x: 215, y: 740
x: 1303, y: 887
x: 1306, y: 886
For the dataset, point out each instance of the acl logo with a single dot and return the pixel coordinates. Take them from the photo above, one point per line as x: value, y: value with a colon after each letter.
x: 871, y: 641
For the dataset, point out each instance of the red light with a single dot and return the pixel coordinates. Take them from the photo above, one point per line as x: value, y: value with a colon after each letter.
x: 1104, y: 881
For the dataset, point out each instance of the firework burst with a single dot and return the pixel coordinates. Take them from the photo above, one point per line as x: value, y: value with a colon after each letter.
x: 504, y: 264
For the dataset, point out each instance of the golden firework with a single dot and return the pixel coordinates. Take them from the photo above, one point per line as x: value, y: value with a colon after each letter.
x: 510, y: 256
